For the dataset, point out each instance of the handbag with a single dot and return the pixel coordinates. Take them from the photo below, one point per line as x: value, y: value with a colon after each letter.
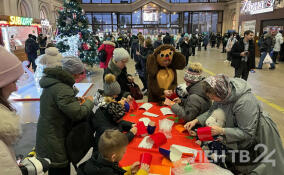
x: 135, y: 91
x: 267, y: 59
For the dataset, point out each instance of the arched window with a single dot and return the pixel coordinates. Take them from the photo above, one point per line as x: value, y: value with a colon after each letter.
x: 43, y: 13
x: 24, y: 9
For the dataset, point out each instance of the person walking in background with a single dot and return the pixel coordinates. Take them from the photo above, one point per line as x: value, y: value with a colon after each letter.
x: 200, y: 40
x: 177, y: 41
x: 277, y: 46
x: 205, y: 41
x: 231, y: 41
x: 134, y: 46
x: 219, y: 40
x: 42, y: 43
x: 282, y: 50
x: 143, y: 55
x: 158, y: 42
x: 224, y: 42
x: 167, y: 39
x: 31, y: 48
x: 186, y: 48
x: 194, y: 42
x: 213, y: 40
x: 243, y: 55
x: 266, y: 47
x: 108, y: 47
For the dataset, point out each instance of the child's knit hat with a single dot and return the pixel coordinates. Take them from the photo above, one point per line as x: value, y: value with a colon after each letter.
x: 194, y: 73
x: 111, y: 86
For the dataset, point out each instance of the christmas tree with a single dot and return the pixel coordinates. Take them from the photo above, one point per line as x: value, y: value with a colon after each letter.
x: 74, y: 38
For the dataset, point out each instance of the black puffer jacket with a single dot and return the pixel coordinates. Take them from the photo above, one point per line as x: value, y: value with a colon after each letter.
x: 237, y: 49
x: 186, y: 48
x: 102, y: 120
x: 98, y: 165
x: 194, y: 105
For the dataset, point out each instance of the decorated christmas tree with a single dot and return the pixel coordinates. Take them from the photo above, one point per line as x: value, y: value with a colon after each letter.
x: 74, y: 38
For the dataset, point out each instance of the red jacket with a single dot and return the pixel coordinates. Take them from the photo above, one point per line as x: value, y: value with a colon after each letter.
x: 108, y: 46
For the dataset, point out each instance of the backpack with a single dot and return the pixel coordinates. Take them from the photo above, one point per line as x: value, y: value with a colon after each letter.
x: 102, y: 55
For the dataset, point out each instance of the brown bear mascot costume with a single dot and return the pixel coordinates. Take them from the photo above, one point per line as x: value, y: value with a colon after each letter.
x: 161, y: 71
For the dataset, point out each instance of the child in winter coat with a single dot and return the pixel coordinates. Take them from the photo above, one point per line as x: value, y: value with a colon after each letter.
x: 110, y: 112
x: 196, y: 102
x: 112, y: 147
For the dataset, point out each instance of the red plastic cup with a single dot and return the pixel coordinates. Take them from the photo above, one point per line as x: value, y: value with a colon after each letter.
x: 146, y: 158
x: 204, y: 134
x: 141, y: 129
x: 158, y: 139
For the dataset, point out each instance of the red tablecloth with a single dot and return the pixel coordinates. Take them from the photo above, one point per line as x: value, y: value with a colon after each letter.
x: 133, y: 152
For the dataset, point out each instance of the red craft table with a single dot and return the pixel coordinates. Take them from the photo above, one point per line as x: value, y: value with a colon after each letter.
x: 133, y: 152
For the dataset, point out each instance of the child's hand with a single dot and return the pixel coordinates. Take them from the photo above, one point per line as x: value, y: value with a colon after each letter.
x: 145, y: 167
x: 129, y: 98
x: 193, y: 133
x: 133, y: 130
x: 177, y: 100
x: 135, y: 167
x: 168, y: 102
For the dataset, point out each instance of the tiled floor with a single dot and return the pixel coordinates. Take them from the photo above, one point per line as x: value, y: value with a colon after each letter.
x: 266, y: 84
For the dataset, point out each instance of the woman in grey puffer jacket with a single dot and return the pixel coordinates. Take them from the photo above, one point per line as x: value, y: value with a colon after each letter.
x: 249, y: 133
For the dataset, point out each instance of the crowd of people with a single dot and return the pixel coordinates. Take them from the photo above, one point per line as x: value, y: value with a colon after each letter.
x: 245, y: 124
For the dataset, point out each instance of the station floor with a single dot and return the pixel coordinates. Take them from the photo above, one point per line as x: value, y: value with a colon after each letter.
x: 267, y: 85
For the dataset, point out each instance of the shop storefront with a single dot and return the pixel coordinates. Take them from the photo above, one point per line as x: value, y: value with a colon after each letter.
x: 15, y: 31
x: 262, y: 15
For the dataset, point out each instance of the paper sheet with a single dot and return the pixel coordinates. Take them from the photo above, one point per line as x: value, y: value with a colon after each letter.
x: 150, y: 114
x: 166, y: 111
x: 145, y: 144
x: 145, y: 120
x: 146, y: 106
x: 185, y: 150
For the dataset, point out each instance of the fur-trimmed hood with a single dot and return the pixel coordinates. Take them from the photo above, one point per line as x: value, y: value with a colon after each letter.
x: 109, y: 43
x: 56, y: 75
x: 10, y: 128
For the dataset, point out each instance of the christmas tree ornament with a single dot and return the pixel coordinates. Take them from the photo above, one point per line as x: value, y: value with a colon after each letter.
x: 80, y: 24
x: 68, y: 21
x: 74, y: 16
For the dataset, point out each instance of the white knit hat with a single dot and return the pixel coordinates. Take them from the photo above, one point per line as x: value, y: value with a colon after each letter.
x: 120, y: 54
x: 52, y: 57
x: 10, y: 67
